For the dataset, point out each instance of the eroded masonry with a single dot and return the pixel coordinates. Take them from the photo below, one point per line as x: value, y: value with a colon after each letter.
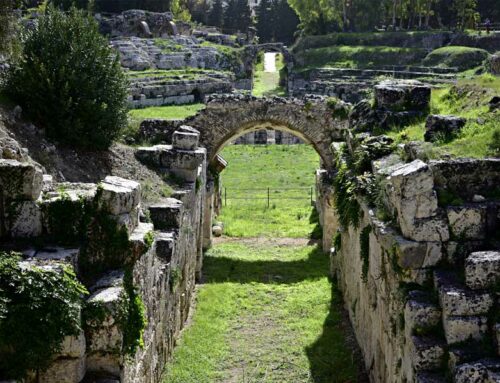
x: 414, y: 243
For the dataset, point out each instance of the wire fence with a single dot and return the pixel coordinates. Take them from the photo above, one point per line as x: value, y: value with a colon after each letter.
x: 268, y: 195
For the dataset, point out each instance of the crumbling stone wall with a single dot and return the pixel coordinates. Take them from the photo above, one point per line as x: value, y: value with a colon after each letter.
x: 134, y: 260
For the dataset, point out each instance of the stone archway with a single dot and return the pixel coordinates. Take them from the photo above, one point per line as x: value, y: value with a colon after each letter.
x: 228, y: 116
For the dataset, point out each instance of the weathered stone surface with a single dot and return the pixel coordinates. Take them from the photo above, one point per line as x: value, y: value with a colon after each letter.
x: 119, y: 195
x: 167, y: 215
x: 217, y: 230
x: 407, y: 95
x: 73, y: 346
x: 439, y: 127
x: 494, y: 63
x: 420, y: 312
x: 137, y: 238
x: 471, y: 373
x: 24, y: 219
x: 462, y: 328
x: 429, y: 377
x: 482, y: 269
x: 64, y: 371
x: 467, y: 222
x: 186, y: 138
x: 20, y: 180
x: 165, y: 246
x: 427, y: 353
x: 184, y: 164
x: 459, y: 300
x: 105, y: 363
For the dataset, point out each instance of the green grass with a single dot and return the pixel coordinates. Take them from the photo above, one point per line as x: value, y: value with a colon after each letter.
x: 263, y: 167
x: 185, y: 73
x: 357, y: 56
x: 169, y: 112
x: 468, y: 99
x: 265, y: 314
x: 460, y: 57
x: 267, y: 83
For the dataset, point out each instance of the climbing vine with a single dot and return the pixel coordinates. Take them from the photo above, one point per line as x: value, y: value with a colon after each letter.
x: 346, y: 204
x: 364, y: 245
x: 39, y: 306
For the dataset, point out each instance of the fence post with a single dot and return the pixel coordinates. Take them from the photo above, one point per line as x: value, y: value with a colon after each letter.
x: 268, y: 195
x: 225, y: 196
x: 311, y: 195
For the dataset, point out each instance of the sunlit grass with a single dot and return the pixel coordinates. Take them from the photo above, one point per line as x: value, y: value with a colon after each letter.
x: 265, y: 314
x: 169, y: 112
x: 262, y: 167
x: 267, y: 83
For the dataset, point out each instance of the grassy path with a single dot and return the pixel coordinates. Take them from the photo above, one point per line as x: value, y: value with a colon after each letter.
x: 266, y: 313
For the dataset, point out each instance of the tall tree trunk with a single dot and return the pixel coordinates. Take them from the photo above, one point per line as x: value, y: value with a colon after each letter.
x: 428, y: 13
x: 394, y: 6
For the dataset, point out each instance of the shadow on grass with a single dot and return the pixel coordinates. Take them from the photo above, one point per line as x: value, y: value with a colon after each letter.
x: 335, y: 356
x: 226, y: 269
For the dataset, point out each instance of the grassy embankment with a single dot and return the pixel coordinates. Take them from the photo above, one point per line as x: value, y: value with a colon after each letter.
x: 267, y: 83
x: 469, y: 99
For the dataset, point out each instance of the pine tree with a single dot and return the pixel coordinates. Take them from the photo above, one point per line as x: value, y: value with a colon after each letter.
x: 285, y: 21
x: 216, y: 14
x: 230, y: 17
x: 244, y: 15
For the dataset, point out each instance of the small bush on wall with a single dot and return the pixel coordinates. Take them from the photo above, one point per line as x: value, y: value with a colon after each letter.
x: 70, y: 81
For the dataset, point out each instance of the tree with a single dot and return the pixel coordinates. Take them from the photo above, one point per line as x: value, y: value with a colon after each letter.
x: 230, y: 17
x: 265, y: 25
x: 6, y: 28
x: 285, y: 21
x: 180, y: 10
x: 216, y: 14
x: 244, y: 16
x: 71, y: 81
x: 465, y: 11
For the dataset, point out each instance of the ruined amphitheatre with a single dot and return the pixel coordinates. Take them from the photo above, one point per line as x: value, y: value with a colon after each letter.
x: 271, y: 191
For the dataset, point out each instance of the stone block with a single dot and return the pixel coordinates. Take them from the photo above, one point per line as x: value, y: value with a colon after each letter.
x: 429, y: 377
x: 47, y: 183
x: 57, y: 254
x: 420, y: 312
x: 438, y: 127
x: 462, y: 328
x: 184, y: 164
x: 471, y: 373
x: 412, y: 179
x: 186, y: 138
x: 73, y: 346
x: 432, y: 229
x: 119, y: 195
x: 64, y: 371
x: 20, y: 180
x: 167, y: 215
x: 137, y: 238
x: 104, y: 363
x: 467, y: 222
x: 482, y: 269
x: 402, y: 95
x: 165, y: 244
x: 106, y: 335
x: 461, y: 301
x: 426, y: 353
x: 149, y: 155
x: 24, y: 219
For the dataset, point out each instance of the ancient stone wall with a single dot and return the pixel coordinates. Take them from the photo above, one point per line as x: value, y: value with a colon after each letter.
x: 131, y: 258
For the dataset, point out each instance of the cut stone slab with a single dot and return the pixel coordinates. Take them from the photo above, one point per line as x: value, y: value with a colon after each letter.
x: 468, y: 222
x: 412, y: 179
x: 427, y: 353
x: 186, y: 138
x: 119, y: 195
x: 20, y: 180
x: 471, y: 373
x: 429, y: 377
x: 73, y: 346
x: 165, y: 244
x: 482, y: 269
x: 420, y: 312
x: 24, y: 219
x: 462, y: 328
x: 439, y: 126
x: 402, y: 95
x: 167, y: 215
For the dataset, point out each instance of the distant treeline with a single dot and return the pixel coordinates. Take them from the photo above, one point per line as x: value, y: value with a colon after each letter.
x: 326, y: 16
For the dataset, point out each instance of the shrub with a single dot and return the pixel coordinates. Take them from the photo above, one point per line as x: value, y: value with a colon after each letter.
x: 462, y: 58
x: 38, y: 308
x: 70, y: 81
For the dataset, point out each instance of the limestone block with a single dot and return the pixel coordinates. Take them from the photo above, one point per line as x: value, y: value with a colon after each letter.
x: 461, y: 328
x: 167, y: 215
x: 104, y: 363
x: 149, y: 155
x: 460, y: 301
x: 432, y: 229
x: 47, y: 183
x: 441, y: 127
x: 467, y: 222
x: 471, y: 373
x: 186, y: 138
x: 426, y: 353
x: 420, y: 312
x: 402, y: 94
x: 129, y: 220
x: 137, y: 240
x: 482, y: 269
x: 429, y: 377
x: 20, y: 180
x: 165, y: 244
x: 106, y: 336
x: 64, y: 371
x: 412, y: 179
x: 119, y: 195
x: 494, y: 63
x: 218, y: 164
x: 73, y: 346
x: 24, y: 219
x: 458, y: 355
x: 57, y: 254
x: 184, y: 164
